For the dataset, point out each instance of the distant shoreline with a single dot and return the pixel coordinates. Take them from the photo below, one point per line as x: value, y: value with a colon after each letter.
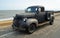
x: 6, y: 19
x: 9, y: 13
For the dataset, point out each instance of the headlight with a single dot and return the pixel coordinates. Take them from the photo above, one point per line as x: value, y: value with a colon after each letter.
x: 24, y: 19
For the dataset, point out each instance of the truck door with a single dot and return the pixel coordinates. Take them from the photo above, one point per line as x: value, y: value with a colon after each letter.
x: 40, y: 15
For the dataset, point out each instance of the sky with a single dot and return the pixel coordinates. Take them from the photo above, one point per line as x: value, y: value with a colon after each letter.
x: 23, y: 4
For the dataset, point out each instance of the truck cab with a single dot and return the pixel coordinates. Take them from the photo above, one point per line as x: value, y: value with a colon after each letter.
x: 31, y: 18
x: 39, y: 12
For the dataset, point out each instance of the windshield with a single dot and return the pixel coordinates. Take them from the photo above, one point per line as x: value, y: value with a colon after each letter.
x: 31, y: 9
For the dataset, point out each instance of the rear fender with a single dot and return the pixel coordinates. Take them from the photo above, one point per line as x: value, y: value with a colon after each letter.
x: 49, y: 16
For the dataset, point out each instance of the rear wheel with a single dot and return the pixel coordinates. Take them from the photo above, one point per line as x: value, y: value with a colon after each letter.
x: 31, y: 29
x: 51, y: 21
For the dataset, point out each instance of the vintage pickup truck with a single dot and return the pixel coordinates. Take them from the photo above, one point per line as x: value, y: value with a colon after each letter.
x: 33, y: 17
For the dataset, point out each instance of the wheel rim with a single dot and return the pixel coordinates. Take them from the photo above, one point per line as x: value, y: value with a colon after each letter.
x: 51, y: 21
x: 32, y: 28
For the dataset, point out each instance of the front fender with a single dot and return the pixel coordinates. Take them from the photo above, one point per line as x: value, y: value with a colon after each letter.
x: 30, y: 21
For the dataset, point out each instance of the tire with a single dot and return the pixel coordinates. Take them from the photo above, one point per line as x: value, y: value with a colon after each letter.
x: 51, y: 20
x: 31, y: 29
x: 13, y: 27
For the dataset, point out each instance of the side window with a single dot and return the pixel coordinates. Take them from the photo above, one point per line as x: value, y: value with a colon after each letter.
x: 36, y: 9
x: 39, y: 9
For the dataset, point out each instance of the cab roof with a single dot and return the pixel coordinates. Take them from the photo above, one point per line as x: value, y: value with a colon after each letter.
x: 37, y: 6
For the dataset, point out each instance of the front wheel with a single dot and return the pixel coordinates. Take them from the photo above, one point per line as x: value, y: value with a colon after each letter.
x: 14, y: 28
x: 31, y: 29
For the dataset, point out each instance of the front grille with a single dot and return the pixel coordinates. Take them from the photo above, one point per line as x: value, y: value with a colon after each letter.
x: 16, y: 20
x: 16, y: 23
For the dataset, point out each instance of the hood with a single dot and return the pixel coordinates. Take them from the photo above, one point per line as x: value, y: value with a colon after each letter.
x: 26, y: 14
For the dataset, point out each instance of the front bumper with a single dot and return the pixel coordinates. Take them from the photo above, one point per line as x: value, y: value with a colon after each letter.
x: 21, y: 25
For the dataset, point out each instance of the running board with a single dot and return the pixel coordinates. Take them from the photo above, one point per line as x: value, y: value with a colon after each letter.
x: 43, y: 23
